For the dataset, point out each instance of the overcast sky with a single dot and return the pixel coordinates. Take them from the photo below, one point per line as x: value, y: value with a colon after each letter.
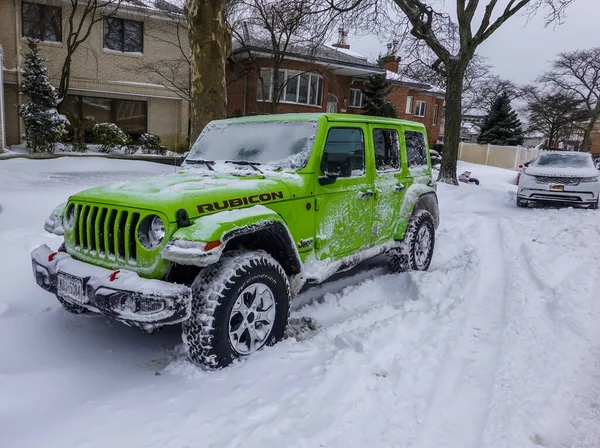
x: 521, y: 50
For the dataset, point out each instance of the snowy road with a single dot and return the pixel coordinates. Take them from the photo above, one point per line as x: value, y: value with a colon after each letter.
x: 498, y: 345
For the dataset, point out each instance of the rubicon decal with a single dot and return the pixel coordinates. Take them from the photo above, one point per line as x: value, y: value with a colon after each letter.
x: 238, y: 202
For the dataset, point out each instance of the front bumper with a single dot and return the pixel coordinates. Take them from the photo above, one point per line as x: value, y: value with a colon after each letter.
x: 127, y: 298
x: 582, y: 194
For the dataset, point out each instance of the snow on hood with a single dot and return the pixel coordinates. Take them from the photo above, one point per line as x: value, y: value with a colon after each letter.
x: 171, y: 192
x: 562, y: 172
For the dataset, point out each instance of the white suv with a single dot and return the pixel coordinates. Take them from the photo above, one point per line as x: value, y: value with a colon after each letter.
x: 560, y: 177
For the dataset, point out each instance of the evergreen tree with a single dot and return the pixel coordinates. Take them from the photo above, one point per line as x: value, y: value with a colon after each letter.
x: 376, y: 103
x: 44, y: 126
x: 501, y: 125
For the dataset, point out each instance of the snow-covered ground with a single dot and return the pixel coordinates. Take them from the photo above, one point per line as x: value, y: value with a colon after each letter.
x: 498, y: 345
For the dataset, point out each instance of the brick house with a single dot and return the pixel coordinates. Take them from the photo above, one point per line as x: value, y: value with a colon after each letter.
x: 107, y: 83
x: 328, y: 78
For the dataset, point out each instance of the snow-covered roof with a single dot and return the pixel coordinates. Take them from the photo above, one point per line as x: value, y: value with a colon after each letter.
x: 325, y: 53
x: 466, y: 127
x: 400, y: 78
x: 347, y: 51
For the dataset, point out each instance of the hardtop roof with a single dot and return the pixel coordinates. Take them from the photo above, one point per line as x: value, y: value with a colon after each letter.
x: 331, y: 117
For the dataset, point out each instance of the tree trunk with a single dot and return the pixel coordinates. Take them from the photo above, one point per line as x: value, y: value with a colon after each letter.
x: 65, y: 78
x: 453, y: 114
x: 208, y: 41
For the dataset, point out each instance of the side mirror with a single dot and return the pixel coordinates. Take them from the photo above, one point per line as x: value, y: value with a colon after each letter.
x: 336, y: 165
x: 327, y: 180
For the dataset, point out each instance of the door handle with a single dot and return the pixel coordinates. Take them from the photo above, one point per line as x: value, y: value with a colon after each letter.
x: 399, y: 187
x: 365, y: 194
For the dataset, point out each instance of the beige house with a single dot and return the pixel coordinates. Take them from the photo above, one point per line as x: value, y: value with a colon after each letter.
x: 119, y: 74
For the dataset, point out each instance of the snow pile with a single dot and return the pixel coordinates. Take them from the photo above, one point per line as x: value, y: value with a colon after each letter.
x: 498, y: 345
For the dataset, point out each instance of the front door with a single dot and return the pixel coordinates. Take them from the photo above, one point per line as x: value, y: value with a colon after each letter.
x: 345, y: 194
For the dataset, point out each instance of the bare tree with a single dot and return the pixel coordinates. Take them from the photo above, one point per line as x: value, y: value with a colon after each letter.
x: 453, y: 43
x: 578, y: 72
x: 282, y: 27
x: 556, y: 114
x: 173, y: 72
x: 83, y: 15
x: 210, y: 44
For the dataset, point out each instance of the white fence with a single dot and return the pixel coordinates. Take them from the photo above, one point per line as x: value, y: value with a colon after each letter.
x: 509, y: 157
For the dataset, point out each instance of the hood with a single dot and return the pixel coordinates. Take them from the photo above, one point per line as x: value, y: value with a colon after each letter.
x: 561, y: 172
x: 198, y: 194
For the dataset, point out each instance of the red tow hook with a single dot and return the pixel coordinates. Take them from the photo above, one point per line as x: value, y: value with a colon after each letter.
x: 51, y: 256
x: 113, y: 276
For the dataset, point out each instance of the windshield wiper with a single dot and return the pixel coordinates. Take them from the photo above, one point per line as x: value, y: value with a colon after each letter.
x: 208, y: 163
x: 246, y: 163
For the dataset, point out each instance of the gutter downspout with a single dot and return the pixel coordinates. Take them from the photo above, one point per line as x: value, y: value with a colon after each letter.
x: 245, y: 93
x: 18, y: 41
x: 3, y: 147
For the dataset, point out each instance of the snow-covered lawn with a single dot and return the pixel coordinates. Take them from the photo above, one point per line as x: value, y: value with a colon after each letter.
x: 498, y: 345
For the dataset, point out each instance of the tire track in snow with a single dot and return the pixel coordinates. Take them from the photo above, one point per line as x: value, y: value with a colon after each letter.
x: 458, y: 409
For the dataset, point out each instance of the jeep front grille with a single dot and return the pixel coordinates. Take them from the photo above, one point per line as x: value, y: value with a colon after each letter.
x: 106, y: 232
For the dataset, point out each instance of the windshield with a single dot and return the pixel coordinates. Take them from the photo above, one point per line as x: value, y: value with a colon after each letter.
x: 283, y: 145
x: 567, y: 160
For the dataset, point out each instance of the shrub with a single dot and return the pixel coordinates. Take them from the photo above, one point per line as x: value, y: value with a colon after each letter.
x: 151, y: 144
x: 44, y: 126
x: 131, y: 146
x: 109, y: 136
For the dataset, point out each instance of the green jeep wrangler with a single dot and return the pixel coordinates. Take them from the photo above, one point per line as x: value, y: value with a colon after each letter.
x: 261, y: 207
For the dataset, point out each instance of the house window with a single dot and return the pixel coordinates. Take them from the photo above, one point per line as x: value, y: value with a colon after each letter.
x: 122, y: 35
x: 436, y: 111
x: 416, y: 148
x: 409, y: 104
x: 387, y: 150
x: 130, y: 116
x: 41, y: 22
x: 420, y: 109
x: 294, y: 87
x: 357, y: 98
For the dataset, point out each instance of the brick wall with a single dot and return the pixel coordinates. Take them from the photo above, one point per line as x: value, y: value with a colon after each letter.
x: 595, y: 140
x: 242, y: 78
x: 99, y: 72
x: 399, y: 95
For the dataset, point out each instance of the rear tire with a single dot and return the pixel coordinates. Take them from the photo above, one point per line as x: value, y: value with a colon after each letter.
x: 416, y: 251
x: 239, y: 305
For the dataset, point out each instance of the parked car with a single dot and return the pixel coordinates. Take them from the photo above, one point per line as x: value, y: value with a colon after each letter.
x: 522, y: 169
x: 436, y: 158
x: 560, y: 178
x: 262, y: 206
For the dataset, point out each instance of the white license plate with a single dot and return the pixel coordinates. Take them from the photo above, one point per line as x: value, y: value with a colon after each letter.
x: 70, y: 288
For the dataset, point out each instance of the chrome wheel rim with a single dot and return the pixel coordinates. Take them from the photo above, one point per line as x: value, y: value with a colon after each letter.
x: 422, y: 247
x: 252, y: 318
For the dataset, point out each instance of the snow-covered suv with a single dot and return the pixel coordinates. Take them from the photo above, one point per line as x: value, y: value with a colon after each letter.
x: 560, y: 177
x: 262, y: 206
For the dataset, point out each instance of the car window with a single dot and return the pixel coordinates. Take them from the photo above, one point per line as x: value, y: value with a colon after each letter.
x: 387, y: 150
x: 344, y: 154
x: 416, y: 149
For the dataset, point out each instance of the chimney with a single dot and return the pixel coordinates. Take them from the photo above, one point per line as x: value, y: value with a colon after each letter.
x: 390, y: 61
x: 342, y: 39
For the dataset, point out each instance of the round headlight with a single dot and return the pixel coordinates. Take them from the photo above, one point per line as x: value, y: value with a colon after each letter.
x: 69, y: 217
x: 151, y: 232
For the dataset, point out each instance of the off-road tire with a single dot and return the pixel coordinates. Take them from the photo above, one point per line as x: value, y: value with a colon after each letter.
x: 70, y: 307
x: 402, y: 259
x: 521, y: 203
x: 214, y: 292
